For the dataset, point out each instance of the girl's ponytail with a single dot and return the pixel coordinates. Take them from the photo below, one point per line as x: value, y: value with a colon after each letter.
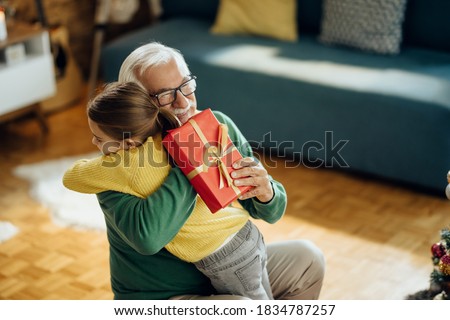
x: 127, y: 109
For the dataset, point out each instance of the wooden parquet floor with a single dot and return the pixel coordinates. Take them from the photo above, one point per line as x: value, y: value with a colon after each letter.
x: 376, y: 236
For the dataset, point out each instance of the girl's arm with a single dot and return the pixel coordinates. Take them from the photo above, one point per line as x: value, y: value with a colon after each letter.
x: 94, y: 176
x: 83, y: 175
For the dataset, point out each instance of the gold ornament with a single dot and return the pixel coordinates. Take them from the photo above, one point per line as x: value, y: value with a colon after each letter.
x: 444, y: 265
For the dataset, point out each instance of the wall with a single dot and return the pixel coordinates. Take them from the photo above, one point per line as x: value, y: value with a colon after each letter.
x: 78, y: 17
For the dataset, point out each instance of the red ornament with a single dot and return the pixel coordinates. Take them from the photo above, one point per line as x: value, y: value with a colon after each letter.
x: 438, y: 250
x: 444, y: 265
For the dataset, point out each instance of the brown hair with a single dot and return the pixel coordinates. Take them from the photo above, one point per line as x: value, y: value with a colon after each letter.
x: 125, y: 110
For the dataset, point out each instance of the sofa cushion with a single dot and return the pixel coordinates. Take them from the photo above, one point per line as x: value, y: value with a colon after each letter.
x: 268, y: 18
x: 364, y: 24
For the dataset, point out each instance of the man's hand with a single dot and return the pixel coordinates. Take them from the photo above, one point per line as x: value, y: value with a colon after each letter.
x: 249, y: 172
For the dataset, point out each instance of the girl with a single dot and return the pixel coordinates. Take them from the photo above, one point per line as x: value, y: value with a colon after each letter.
x: 128, y: 128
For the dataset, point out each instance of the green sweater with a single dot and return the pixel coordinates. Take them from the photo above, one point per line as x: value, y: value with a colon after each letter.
x: 138, y: 229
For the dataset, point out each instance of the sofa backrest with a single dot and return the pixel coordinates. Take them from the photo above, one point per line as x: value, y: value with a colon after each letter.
x: 309, y: 11
x: 199, y: 9
x: 426, y: 23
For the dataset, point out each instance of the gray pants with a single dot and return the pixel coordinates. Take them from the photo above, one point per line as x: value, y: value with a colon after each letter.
x: 296, y: 271
x: 239, y: 267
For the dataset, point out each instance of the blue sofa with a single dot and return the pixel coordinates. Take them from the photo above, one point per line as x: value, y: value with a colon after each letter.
x: 299, y: 98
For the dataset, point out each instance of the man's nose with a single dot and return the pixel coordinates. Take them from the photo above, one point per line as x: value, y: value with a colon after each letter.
x: 180, y: 100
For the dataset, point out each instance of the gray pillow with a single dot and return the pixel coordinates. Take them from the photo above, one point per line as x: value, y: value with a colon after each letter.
x: 370, y: 25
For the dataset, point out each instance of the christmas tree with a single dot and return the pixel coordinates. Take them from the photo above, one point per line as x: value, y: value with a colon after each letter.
x: 440, y: 276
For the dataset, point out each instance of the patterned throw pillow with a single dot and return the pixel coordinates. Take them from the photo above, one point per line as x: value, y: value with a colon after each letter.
x: 370, y: 25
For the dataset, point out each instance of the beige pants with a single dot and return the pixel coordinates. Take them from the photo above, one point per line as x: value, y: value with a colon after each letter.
x: 296, y: 270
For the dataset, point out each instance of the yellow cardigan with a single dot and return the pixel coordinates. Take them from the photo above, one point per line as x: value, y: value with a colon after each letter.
x: 140, y: 172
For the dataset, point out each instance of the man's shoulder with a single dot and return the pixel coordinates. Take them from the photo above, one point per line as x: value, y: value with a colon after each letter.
x: 222, y: 117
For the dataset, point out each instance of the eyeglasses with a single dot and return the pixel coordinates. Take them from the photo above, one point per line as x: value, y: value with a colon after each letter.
x: 169, y: 96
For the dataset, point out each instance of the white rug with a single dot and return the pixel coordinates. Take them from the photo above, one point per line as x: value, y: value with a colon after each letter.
x: 68, y: 208
x: 7, y: 231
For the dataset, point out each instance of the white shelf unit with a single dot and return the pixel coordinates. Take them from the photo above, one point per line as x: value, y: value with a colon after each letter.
x: 30, y: 80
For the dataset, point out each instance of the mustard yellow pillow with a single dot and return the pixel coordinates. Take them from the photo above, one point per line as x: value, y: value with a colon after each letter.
x: 268, y: 18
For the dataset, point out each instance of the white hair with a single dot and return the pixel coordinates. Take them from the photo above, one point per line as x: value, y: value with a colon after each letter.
x: 147, y: 56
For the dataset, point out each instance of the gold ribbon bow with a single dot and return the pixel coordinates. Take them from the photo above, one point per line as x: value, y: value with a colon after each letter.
x: 215, y: 155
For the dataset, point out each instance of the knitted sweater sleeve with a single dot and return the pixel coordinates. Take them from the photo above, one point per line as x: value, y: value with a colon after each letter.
x: 138, y: 171
x: 92, y: 176
x: 271, y: 211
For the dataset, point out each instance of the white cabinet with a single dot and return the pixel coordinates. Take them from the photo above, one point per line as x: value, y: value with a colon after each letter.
x: 29, y: 79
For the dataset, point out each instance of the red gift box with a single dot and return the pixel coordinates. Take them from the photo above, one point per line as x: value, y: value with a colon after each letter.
x: 204, y: 152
